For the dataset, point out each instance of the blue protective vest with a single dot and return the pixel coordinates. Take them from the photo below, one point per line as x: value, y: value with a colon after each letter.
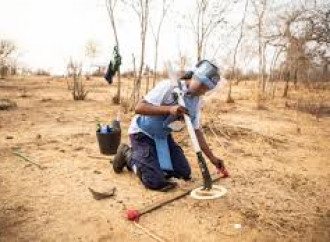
x: 157, y: 128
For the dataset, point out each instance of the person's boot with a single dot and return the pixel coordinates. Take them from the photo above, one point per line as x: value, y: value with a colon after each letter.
x: 169, y: 186
x: 122, y: 158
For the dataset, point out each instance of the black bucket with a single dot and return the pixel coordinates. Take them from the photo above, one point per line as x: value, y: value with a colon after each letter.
x: 109, y: 142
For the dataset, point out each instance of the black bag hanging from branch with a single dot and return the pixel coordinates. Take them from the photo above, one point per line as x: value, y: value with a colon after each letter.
x: 113, y: 65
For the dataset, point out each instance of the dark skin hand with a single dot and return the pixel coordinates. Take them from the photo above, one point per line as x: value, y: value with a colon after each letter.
x: 146, y: 108
x: 208, y: 152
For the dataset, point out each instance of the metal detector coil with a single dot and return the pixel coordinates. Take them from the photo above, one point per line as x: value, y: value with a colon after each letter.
x: 202, y: 194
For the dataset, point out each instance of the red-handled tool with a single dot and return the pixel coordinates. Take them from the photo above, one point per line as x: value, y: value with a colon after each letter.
x: 134, y: 214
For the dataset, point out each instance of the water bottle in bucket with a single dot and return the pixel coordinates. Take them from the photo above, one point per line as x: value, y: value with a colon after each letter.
x: 109, y: 137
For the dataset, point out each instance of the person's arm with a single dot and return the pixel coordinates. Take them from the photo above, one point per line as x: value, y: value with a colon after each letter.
x: 207, y: 151
x: 204, y: 146
x: 146, y: 108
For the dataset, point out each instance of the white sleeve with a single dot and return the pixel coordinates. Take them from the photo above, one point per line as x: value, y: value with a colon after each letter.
x: 156, y: 95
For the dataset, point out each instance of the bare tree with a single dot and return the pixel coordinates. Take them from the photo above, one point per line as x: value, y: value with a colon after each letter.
x: 229, y: 98
x: 134, y: 82
x: 182, y: 61
x: 77, y: 87
x: 141, y: 9
x: 272, y: 68
x: 293, y: 44
x: 302, y: 36
x: 156, y: 35
x: 91, y: 49
x: 260, y: 10
x: 111, y: 6
x: 7, y: 48
x: 91, y: 52
x: 147, y: 74
x: 284, y: 40
x: 318, y: 31
x: 207, y: 16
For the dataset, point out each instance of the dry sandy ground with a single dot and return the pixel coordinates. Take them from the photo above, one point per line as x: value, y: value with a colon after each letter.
x: 278, y: 190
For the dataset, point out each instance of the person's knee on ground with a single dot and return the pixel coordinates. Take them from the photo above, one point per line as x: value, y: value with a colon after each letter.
x: 153, y: 184
x: 158, y: 185
x: 153, y: 178
x: 184, y: 174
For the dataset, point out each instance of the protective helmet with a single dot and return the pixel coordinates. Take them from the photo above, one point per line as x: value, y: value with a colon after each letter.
x: 207, y: 73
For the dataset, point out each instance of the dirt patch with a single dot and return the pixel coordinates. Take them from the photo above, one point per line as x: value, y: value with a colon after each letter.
x: 278, y: 188
x: 230, y: 132
x: 285, y: 204
x: 7, y: 104
x: 319, y: 109
x: 11, y: 217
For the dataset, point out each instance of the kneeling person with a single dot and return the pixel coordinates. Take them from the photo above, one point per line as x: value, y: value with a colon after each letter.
x: 154, y: 155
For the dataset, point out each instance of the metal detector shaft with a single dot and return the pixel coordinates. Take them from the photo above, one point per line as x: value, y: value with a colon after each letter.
x: 201, y: 161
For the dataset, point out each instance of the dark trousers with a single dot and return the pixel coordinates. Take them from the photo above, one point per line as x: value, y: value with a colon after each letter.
x: 144, y: 157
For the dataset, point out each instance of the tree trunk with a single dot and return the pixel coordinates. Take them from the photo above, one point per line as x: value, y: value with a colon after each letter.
x: 157, y: 38
x: 286, y: 88
x: 144, y: 25
x: 199, y: 52
x: 119, y: 85
x: 147, y: 82
x: 295, y: 73
x: 229, y: 98
x: 325, y: 71
x: 155, y: 66
x: 263, y: 72
x: 260, y: 59
x: 110, y: 8
x: 139, y: 78
x: 134, y: 83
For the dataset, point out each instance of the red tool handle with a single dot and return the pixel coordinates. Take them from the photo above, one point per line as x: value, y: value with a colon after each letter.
x: 132, y: 215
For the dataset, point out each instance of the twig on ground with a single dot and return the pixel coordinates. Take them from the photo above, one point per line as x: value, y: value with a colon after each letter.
x: 226, y: 136
x: 216, y: 137
x: 99, y: 157
x: 152, y: 235
x: 28, y: 160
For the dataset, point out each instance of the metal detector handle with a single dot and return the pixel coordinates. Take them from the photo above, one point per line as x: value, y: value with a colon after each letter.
x: 188, y: 122
x: 205, y: 171
x: 201, y: 161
